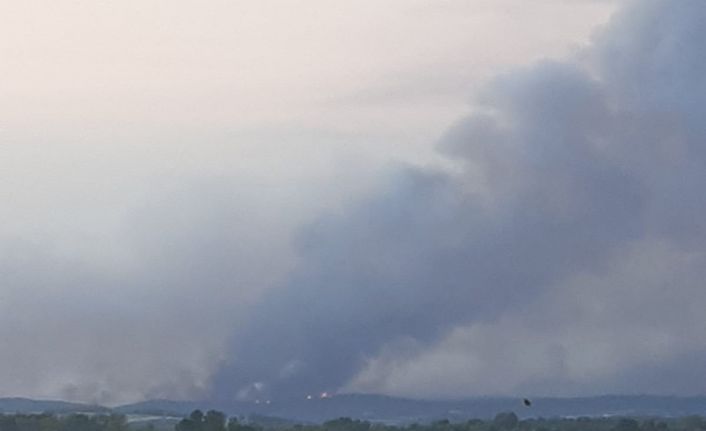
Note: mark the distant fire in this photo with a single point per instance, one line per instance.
(322, 396)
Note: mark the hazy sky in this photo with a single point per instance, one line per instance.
(426, 198)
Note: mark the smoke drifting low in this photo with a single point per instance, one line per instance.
(561, 252)
(580, 180)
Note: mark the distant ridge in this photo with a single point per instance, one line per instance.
(401, 410)
(382, 408)
(27, 405)
(162, 407)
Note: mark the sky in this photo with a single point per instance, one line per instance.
(424, 198)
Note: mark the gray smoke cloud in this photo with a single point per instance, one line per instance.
(575, 181)
(149, 324)
(560, 250)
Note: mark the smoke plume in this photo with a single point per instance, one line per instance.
(575, 180)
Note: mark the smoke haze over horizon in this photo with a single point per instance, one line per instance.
(275, 206)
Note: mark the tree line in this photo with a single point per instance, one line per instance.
(53, 422)
(214, 420)
(505, 421)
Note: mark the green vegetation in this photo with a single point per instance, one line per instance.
(505, 421)
(72, 422)
(217, 421)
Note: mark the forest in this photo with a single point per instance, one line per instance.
(214, 420)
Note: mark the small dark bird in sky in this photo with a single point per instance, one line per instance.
(527, 402)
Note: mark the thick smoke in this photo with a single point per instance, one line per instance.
(562, 251)
(576, 180)
(149, 323)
